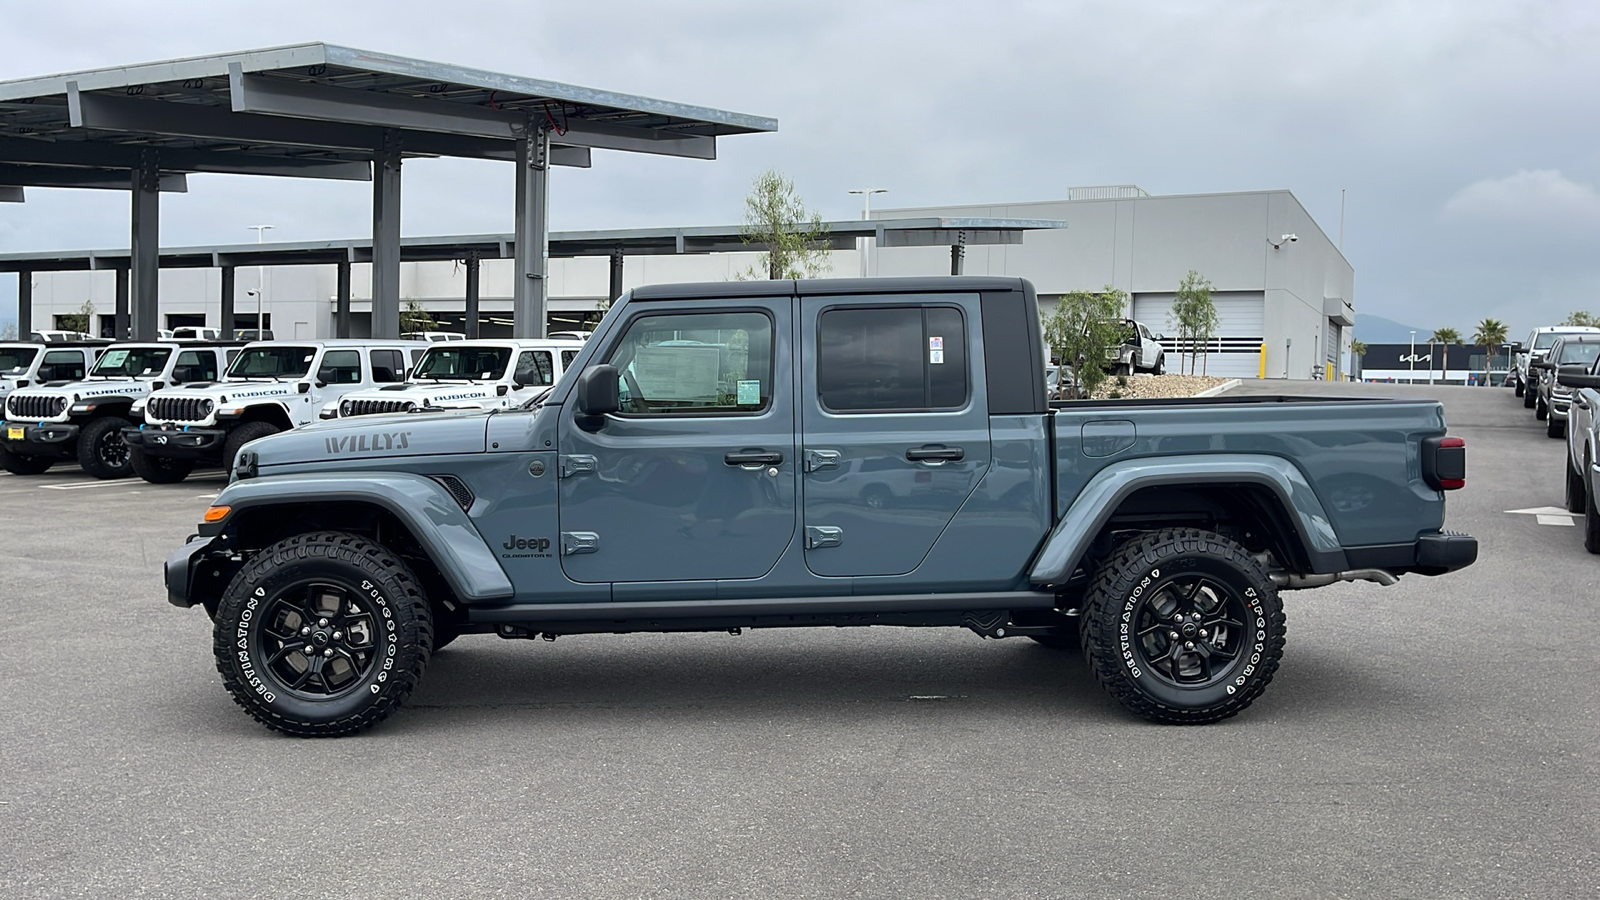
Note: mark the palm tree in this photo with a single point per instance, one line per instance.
(1445, 336)
(1491, 333)
(1358, 348)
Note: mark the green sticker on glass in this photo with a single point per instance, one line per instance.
(750, 393)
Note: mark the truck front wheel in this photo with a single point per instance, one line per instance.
(19, 464)
(159, 469)
(101, 450)
(322, 635)
(1183, 626)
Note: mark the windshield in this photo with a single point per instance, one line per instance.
(1576, 354)
(1545, 340)
(272, 362)
(17, 359)
(463, 362)
(131, 362)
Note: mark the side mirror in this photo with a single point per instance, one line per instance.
(305, 387)
(1577, 377)
(597, 395)
(1157, 337)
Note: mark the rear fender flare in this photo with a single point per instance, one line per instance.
(1105, 492)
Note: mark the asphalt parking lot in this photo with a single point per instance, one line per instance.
(1433, 739)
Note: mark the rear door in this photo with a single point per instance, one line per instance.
(895, 430)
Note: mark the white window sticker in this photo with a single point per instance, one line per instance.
(936, 343)
(936, 357)
(749, 393)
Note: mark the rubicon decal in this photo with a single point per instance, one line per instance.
(376, 441)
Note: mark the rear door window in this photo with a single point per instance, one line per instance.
(388, 366)
(904, 358)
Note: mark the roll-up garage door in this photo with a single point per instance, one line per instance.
(1234, 351)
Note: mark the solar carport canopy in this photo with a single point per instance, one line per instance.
(323, 111)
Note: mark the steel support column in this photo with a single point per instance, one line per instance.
(473, 288)
(616, 275)
(529, 291)
(225, 320)
(958, 254)
(120, 326)
(341, 303)
(386, 239)
(24, 304)
(145, 256)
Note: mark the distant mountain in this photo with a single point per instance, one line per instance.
(1378, 330)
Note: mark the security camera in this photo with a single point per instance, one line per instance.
(1291, 238)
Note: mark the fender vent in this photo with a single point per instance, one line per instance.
(457, 488)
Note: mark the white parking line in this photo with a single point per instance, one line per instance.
(80, 485)
(1554, 520)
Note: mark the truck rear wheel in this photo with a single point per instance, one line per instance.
(159, 469)
(101, 450)
(322, 635)
(1529, 395)
(1183, 626)
(21, 464)
(1575, 489)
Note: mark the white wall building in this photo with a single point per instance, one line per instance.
(1295, 299)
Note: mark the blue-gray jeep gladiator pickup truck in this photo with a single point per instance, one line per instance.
(783, 454)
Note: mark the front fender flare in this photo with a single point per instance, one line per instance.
(427, 509)
(1099, 499)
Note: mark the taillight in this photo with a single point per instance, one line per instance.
(1444, 463)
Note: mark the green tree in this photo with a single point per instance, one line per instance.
(1445, 336)
(1084, 327)
(1490, 333)
(776, 218)
(1358, 348)
(1580, 317)
(415, 317)
(8, 331)
(1194, 317)
(78, 320)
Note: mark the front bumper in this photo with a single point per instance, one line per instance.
(1559, 406)
(176, 443)
(40, 439)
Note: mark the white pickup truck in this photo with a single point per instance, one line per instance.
(476, 374)
(272, 386)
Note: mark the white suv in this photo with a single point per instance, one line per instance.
(272, 386)
(480, 374)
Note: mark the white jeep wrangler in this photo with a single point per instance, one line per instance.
(477, 374)
(272, 386)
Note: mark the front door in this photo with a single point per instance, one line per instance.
(694, 478)
(895, 427)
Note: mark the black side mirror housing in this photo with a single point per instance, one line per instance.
(1577, 377)
(597, 395)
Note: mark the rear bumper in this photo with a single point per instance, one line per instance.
(43, 439)
(1430, 554)
(177, 443)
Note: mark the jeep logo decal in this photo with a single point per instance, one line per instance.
(536, 547)
(367, 443)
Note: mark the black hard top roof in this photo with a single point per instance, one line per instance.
(926, 284)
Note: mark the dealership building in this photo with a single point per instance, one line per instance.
(1282, 288)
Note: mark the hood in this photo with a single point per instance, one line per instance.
(436, 393)
(375, 437)
(232, 391)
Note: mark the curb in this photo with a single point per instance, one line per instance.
(1226, 385)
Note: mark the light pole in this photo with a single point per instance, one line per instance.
(1411, 360)
(261, 279)
(866, 213)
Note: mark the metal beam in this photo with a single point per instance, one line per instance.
(529, 289)
(386, 239)
(958, 255)
(55, 176)
(104, 112)
(24, 304)
(341, 302)
(259, 94)
(473, 266)
(229, 287)
(616, 275)
(119, 323)
(81, 154)
(145, 249)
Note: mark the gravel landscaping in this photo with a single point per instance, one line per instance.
(1155, 386)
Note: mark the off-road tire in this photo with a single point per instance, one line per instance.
(1529, 397)
(1575, 489)
(159, 469)
(101, 450)
(1540, 410)
(1518, 388)
(242, 435)
(22, 464)
(1153, 577)
(1555, 427)
(298, 593)
(1591, 520)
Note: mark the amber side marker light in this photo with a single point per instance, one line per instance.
(217, 513)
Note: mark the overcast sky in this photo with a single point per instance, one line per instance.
(1465, 133)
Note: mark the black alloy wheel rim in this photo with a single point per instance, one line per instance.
(319, 640)
(113, 450)
(1191, 631)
